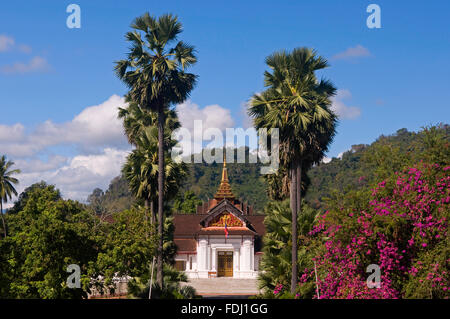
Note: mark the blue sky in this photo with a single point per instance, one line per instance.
(388, 78)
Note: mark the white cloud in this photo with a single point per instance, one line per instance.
(96, 136)
(326, 160)
(341, 154)
(11, 133)
(247, 121)
(212, 116)
(84, 173)
(77, 177)
(105, 164)
(6, 43)
(352, 53)
(36, 165)
(95, 128)
(342, 110)
(36, 64)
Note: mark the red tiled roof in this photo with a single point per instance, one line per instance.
(257, 221)
(186, 245)
(187, 225)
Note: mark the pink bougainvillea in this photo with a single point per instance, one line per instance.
(278, 289)
(405, 219)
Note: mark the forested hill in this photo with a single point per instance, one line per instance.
(358, 167)
(246, 181)
(363, 165)
(202, 179)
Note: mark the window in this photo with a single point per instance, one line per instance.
(180, 265)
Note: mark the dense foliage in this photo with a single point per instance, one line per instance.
(395, 216)
(48, 233)
(276, 260)
(187, 203)
(7, 190)
(402, 226)
(115, 199)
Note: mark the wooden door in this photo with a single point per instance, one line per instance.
(225, 264)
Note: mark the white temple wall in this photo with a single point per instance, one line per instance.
(190, 261)
(205, 262)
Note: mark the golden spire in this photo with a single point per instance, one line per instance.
(224, 190)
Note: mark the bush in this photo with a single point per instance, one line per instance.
(403, 228)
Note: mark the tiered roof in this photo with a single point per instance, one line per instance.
(224, 191)
(189, 226)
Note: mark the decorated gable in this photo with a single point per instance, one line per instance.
(228, 218)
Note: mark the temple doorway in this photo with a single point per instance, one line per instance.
(225, 264)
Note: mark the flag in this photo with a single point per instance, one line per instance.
(226, 230)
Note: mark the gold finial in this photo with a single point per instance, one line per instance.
(224, 190)
(224, 171)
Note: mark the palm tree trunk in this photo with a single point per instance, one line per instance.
(153, 212)
(159, 272)
(299, 186)
(295, 231)
(293, 200)
(3, 219)
(292, 189)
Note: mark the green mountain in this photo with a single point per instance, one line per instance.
(363, 164)
(357, 168)
(203, 180)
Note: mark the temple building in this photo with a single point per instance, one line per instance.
(223, 239)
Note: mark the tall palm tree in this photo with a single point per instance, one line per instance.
(139, 125)
(298, 104)
(155, 73)
(6, 186)
(142, 171)
(136, 120)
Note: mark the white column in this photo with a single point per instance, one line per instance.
(252, 255)
(236, 260)
(202, 255)
(208, 257)
(188, 262)
(246, 256)
(213, 259)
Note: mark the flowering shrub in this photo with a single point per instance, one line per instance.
(402, 227)
(278, 289)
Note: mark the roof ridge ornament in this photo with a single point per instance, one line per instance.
(224, 191)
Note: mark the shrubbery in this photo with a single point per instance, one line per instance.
(401, 225)
(399, 221)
